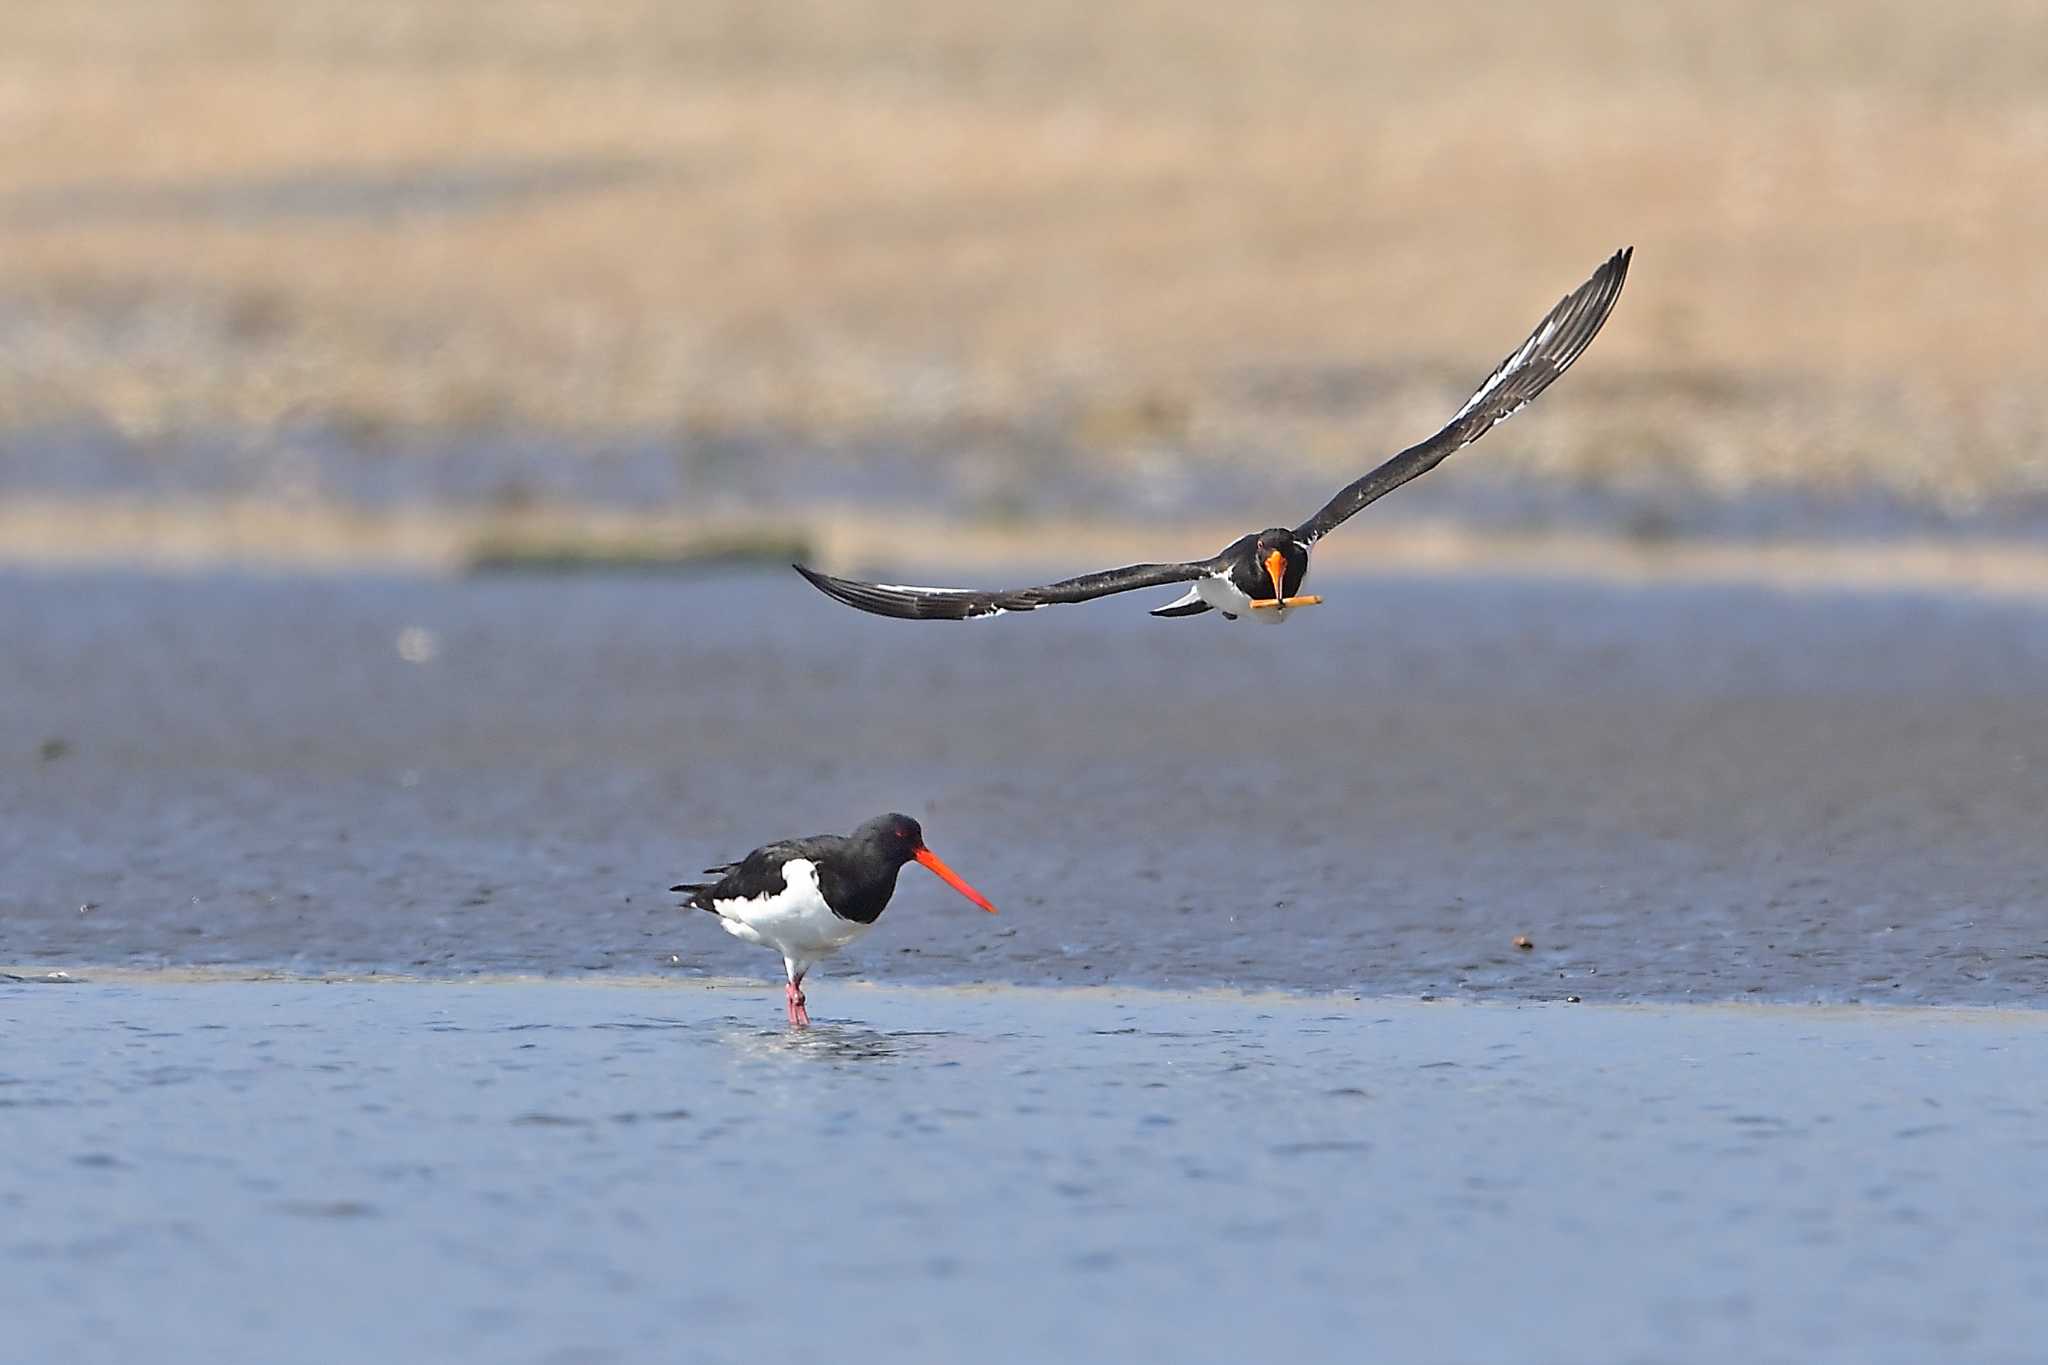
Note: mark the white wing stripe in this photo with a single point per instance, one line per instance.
(1513, 363)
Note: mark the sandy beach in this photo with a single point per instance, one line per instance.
(1138, 244)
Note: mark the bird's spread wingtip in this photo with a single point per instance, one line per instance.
(821, 581)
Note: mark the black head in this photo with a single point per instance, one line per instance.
(896, 837)
(1276, 565)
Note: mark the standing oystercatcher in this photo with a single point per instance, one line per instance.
(1260, 574)
(808, 898)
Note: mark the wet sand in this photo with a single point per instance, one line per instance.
(558, 1173)
(1677, 793)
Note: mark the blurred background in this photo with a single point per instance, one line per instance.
(1718, 676)
(370, 282)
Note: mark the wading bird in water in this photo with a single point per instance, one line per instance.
(1260, 575)
(808, 898)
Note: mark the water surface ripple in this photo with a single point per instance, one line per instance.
(558, 1172)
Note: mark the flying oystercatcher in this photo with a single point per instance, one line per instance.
(808, 898)
(1261, 574)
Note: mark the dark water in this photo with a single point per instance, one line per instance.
(561, 1173)
(1675, 793)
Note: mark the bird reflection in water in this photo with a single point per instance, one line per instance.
(825, 1041)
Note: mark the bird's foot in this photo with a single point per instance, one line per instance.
(799, 1017)
(1272, 603)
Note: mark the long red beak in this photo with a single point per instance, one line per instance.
(952, 878)
(1276, 569)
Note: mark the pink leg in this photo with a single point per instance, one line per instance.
(793, 996)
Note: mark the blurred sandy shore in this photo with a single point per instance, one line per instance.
(243, 533)
(1055, 237)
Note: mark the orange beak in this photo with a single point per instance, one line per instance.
(1276, 569)
(951, 878)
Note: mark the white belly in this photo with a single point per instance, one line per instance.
(795, 921)
(1223, 595)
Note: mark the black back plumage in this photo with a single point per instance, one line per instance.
(856, 872)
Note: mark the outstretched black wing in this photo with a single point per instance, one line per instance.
(961, 604)
(1557, 341)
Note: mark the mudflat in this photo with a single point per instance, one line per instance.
(1673, 792)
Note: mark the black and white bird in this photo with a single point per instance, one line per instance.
(1260, 575)
(808, 898)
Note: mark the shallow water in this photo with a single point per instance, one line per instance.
(1676, 793)
(558, 1172)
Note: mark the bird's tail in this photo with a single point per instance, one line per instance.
(697, 895)
(1189, 603)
